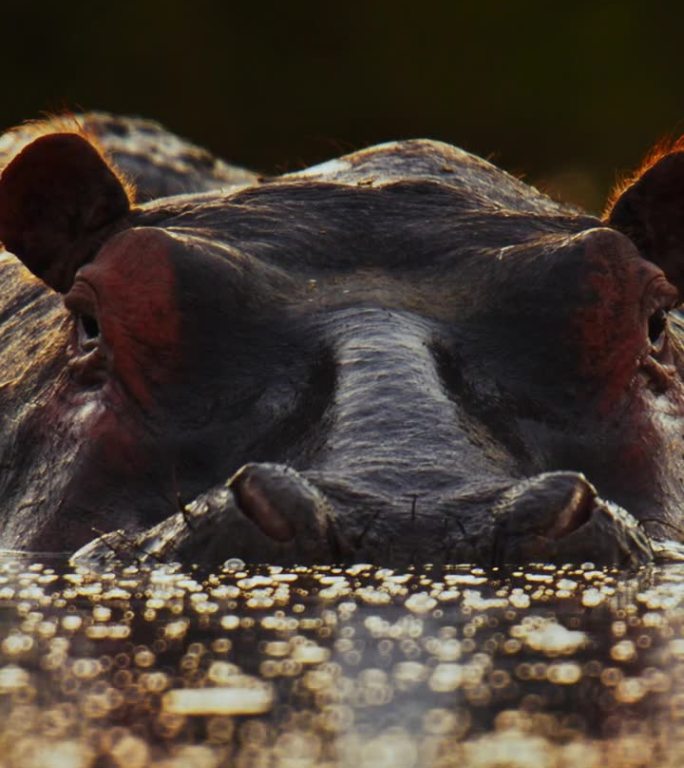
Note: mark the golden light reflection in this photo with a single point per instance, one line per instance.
(550, 667)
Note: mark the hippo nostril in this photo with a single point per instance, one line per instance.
(575, 512)
(256, 503)
(287, 508)
(559, 517)
(551, 506)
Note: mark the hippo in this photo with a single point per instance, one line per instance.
(404, 355)
(156, 162)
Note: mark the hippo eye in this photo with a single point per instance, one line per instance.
(88, 327)
(659, 298)
(81, 302)
(88, 364)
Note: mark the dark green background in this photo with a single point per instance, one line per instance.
(568, 94)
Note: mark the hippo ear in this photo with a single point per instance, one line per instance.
(650, 211)
(57, 197)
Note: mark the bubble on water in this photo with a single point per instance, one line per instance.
(234, 564)
(144, 657)
(310, 654)
(630, 690)
(230, 622)
(564, 673)
(420, 602)
(592, 598)
(102, 613)
(125, 750)
(446, 677)
(44, 753)
(512, 749)
(297, 748)
(623, 651)
(394, 748)
(222, 672)
(371, 596)
(16, 644)
(86, 669)
(72, 623)
(409, 674)
(13, 678)
(194, 756)
(249, 698)
(175, 630)
(548, 636)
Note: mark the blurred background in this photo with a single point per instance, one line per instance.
(568, 95)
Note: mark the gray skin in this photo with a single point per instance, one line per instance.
(402, 356)
(156, 162)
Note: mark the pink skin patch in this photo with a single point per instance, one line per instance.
(133, 287)
(611, 336)
(129, 292)
(610, 331)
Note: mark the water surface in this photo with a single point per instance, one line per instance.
(543, 667)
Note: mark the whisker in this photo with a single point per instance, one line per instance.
(129, 546)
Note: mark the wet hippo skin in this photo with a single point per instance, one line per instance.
(403, 355)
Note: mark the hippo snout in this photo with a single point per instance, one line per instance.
(271, 513)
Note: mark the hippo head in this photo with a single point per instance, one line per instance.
(402, 355)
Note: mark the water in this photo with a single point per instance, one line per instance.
(362, 667)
